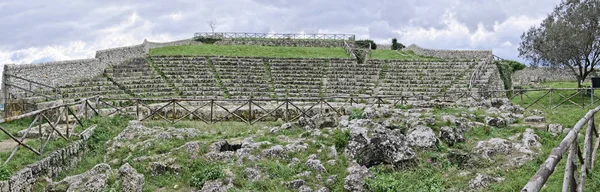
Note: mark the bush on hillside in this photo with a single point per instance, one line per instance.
(207, 40)
(365, 44)
(396, 45)
(515, 65)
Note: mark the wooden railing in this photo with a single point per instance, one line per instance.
(31, 89)
(231, 35)
(62, 113)
(572, 179)
(254, 110)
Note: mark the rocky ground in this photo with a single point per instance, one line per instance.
(324, 152)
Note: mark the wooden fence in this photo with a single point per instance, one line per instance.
(243, 35)
(254, 110)
(573, 180)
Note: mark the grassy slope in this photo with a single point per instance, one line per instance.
(254, 51)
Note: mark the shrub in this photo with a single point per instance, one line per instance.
(341, 138)
(515, 65)
(396, 45)
(4, 172)
(365, 44)
(356, 114)
(207, 40)
(205, 171)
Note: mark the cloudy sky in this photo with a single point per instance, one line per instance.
(45, 30)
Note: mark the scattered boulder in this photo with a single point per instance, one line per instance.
(385, 148)
(490, 148)
(530, 139)
(253, 174)
(275, 151)
(495, 122)
(534, 119)
(323, 120)
(316, 165)
(161, 167)
(356, 177)
(421, 136)
(216, 186)
(482, 181)
(131, 179)
(555, 129)
(94, 179)
(451, 136)
(296, 184)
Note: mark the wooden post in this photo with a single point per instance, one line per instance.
(173, 110)
(570, 168)
(286, 110)
(212, 106)
(250, 110)
(550, 98)
(137, 109)
(587, 154)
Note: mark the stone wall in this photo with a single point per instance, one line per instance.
(531, 75)
(384, 46)
(449, 54)
(152, 45)
(51, 166)
(53, 73)
(283, 42)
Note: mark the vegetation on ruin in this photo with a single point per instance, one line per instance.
(397, 55)
(506, 68)
(251, 51)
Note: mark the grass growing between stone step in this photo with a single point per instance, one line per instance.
(400, 55)
(250, 51)
(217, 77)
(163, 76)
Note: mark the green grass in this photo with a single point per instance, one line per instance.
(250, 51)
(393, 55)
(24, 156)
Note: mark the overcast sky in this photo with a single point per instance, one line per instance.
(46, 30)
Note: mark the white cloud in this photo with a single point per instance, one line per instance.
(36, 31)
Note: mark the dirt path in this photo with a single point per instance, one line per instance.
(7, 145)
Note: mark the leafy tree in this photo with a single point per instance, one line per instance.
(396, 45)
(569, 37)
(365, 44)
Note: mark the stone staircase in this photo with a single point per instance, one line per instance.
(297, 78)
(99, 85)
(137, 77)
(346, 77)
(243, 77)
(191, 75)
(424, 79)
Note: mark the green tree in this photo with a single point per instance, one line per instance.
(569, 37)
(396, 45)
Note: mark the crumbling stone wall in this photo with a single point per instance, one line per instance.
(449, 54)
(51, 166)
(531, 75)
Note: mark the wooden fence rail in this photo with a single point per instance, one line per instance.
(575, 157)
(253, 110)
(275, 35)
